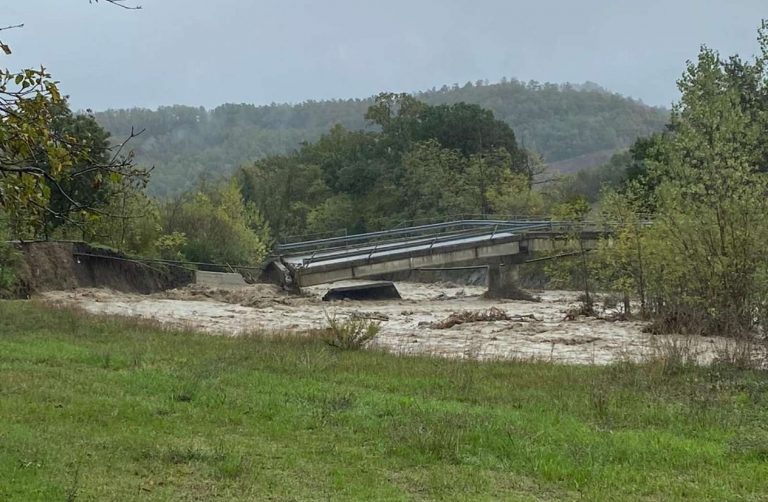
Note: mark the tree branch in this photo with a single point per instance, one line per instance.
(119, 3)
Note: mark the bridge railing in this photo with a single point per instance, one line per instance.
(437, 232)
(390, 246)
(409, 233)
(472, 217)
(303, 254)
(341, 233)
(327, 250)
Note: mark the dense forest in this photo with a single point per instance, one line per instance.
(559, 121)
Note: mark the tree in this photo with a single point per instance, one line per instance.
(44, 162)
(497, 184)
(433, 183)
(88, 187)
(642, 174)
(217, 225)
(560, 123)
(620, 260)
(701, 266)
(514, 196)
(334, 215)
(470, 129)
(424, 162)
(134, 226)
(352, 162)
(394, 112)
(712, 202)
(284, 191)
(576, 210)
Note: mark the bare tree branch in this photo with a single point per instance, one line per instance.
(11, 27)
(119, 3)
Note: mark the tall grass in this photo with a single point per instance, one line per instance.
(108, 409)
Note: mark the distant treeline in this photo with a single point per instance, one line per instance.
(558, 121)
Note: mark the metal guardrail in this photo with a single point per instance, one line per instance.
(413, 224)
(401, 234)
(390, 246)
(399, 238)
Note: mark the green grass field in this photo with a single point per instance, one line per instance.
(104, 409)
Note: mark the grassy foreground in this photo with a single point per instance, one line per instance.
(102, 409)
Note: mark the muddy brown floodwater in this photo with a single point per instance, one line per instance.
(405, 329)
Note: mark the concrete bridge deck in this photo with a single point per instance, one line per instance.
(499, 244)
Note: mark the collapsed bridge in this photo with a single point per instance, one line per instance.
(502, 245)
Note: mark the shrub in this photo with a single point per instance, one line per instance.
(350, 334)
(214, 224)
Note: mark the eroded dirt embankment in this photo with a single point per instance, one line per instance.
(48, 266)
(408, 326)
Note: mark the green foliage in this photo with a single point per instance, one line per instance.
(285, 192)
(577, 270)
(467, 128)
(641, 177)
(333, 215)
(131, 224)
(558, 121)
(434, 183)
(29, 98)
(72, 185)
(701, 266)
(711, 201)
(512, 195)
(589, 182)
(88, 186)
(574, 209)
(494, 170)
(427, 162)
(216, 225)
(171, 246)
(620, 260)
(350, 334)
(55, 167)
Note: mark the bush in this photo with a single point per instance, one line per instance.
(351, 333)
(213, 224)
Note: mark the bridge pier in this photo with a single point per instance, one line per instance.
(503, 278)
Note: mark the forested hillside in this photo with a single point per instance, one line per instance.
(558, 121)
(427, 161)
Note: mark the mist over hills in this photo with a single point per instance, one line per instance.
(565, 123)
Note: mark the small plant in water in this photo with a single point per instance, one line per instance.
(350, 334)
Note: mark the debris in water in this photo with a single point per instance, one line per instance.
(371, 291)
(370, 316)
(492, 314)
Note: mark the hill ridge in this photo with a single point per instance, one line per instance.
(560, 121)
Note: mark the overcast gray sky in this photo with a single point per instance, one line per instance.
(207, 53)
